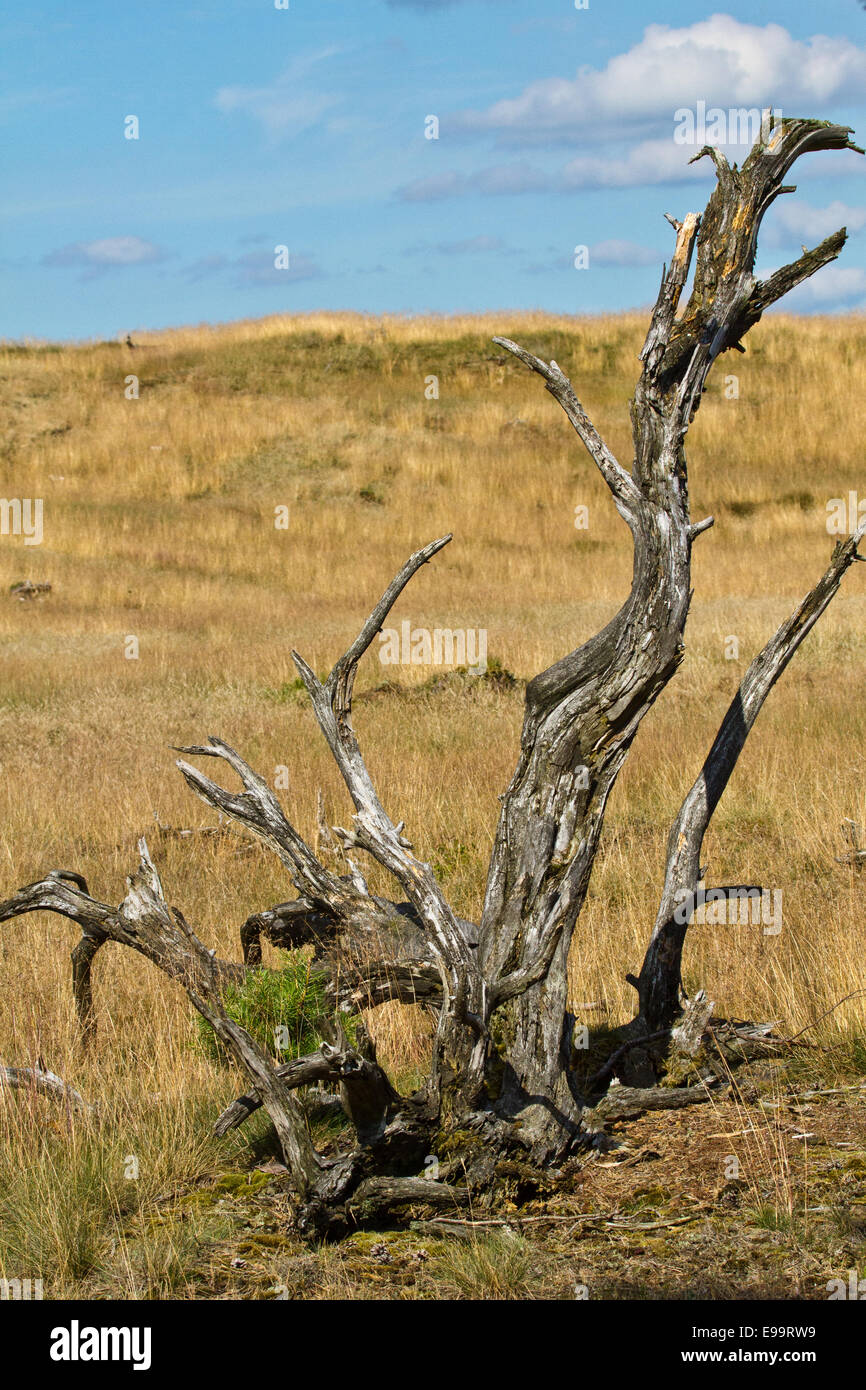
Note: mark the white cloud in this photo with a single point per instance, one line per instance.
(719, 60)
(109, 253)
(650, 162)
(791, 222)
(625, 115)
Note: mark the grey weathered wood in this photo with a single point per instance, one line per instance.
(66, 894)
(301, 1071)
(258, 809)
(688, 1034)
(659, 980)
(377, 1195)
(582, 714)
(627, 1102)
(459, 1052)
(168, 940)
(366, 1093)
(45, 1083)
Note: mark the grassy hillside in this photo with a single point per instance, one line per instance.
(159, 524)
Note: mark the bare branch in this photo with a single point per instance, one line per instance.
(54, 894)
(460, 1046)
(166, 936)
(144, 922)
(660, 975)
(726, 300)
(341, 681)
(82, 984)
(673, 281)
(258, 809)
(766, 292)
(45, 1083)
(374, 831)
(384, 981)
(366, 1092)
(288, 926)
(99, 923)
(624, 492)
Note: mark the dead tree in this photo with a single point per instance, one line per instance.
(501, 1079)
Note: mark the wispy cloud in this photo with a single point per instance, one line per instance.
(650, 162)
(257, 268)
(833, 287)
(13, 102)
(254, 269)
(108, 254)
(499, 179)
(791, 222)
(618, 253)
(204, 267)
(283, 107)
(623, 253)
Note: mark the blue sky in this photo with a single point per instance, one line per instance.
(305, 127)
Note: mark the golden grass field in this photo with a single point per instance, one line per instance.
(159, 524)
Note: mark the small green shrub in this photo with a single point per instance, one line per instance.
(278, 1008)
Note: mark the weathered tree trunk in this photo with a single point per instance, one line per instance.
(583, 714)
(501, 1069)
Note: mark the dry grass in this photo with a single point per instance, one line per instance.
(159, 523)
